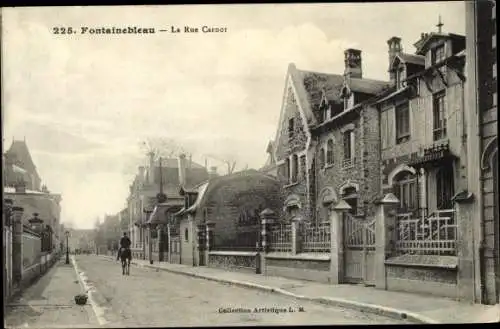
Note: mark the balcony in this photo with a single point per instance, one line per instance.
(348, 163)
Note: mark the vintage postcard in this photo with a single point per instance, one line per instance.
(250, 164)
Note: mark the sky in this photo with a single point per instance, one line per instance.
(84, 103)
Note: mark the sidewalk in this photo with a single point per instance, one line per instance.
(418, 308)
(49, 303)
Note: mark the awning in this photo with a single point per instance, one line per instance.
(432, 156)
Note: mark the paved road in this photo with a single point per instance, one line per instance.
(156, 298)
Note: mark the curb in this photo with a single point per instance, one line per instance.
(338, 302)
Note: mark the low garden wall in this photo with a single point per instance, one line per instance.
(304, 266)
(245, 261)
(434, 275)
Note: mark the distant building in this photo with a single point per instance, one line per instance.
(146, 186)
(19, 167)
(22, 184)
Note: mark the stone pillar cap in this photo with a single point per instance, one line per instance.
(342, 206)
(389, 198)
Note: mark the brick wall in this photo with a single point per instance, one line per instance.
(365, 173)
(285, 146)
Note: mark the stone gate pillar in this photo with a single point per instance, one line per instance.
(200, 244)
(296, 235)
(169, 239)
(17, 245)
(267, 217)
(384, 236)
(209, 226)
(337, 241)
(159, 234)
(465, 245)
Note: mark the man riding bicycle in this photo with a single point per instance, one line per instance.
(124, 244)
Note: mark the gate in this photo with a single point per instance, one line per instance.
(359, 250)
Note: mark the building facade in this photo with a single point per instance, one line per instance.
(423, 137)
(152, 179)
(482, 131)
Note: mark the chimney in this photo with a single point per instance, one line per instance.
(213, 172)
(151, 174)
(141, 173)
(352, 60)
(182, 169)
(395, 49)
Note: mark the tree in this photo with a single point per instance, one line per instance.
(162, 147)
(227, 159)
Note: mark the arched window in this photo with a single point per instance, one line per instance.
(321, 158)
(405, 189)
(350, 195)
(295, 167)
(445, 188)
(329, 152)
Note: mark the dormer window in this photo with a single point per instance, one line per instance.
(438, 54)
(399, 77)
(348, 101)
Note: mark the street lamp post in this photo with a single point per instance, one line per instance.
(67, 246)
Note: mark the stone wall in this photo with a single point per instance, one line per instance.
(233, 261)
(303, 267)
(436, 281)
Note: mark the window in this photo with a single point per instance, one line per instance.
(444, 187)
(438, 54)
(405, 188)
(439, 115)
(384, 129)
(495, 98)
(295, 168)
(402, 123)
(321, 158)
(303, 169)
(186, 234)
(494, 41)
(350, 195)
(287, 169)
(494, 70)
(346, 102)
(348, 148)
(291, 127)
(329, 152)
(399, 77)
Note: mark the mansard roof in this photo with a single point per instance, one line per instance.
(367, 86)
(426, 38)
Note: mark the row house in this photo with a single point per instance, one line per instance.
(327, 140)
(160, 177)
(423, 137)
(482, 124)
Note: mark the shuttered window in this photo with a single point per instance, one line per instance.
(384, 133)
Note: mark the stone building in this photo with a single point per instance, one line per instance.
(19, 166)
(22, 184)
(326, 143)
(482, 148)
(148, 183)
(346, 138)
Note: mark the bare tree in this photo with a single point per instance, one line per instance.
(228, 160)
(162, 147)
